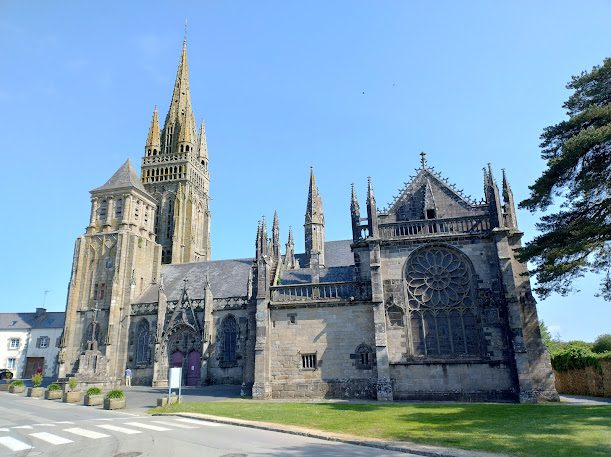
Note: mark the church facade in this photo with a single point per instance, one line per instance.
(426, 301)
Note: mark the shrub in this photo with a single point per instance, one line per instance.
(72, 383)
(37, 379)
(115, 394)
(54, 386)
(602, 344)
(94, 391)
(17, 383)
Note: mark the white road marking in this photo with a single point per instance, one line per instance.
(196, 421)
(29, 427)
(43, 425)
(114, 428)
(3, 429)
(13, 444)
(148, 426)
(173, 424)
(51, 438)
(86, 433)
(64, 422)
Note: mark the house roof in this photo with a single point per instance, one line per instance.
(24, 321)
(337, 254)
(125, 176)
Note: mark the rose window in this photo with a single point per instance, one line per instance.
(437, 277)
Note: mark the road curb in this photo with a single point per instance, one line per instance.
(405, 447)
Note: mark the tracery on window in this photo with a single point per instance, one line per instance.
(442, 319)
(229, 341)
(142, 343)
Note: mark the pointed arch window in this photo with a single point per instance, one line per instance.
(142, 343)
(229, 341)
(443, 318)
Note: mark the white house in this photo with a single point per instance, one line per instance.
(29, 342)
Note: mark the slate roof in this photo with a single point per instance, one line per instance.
(21, 321)
(337, 254)
(228, 278)
(339, 265)
(125, 176)
(304, 275)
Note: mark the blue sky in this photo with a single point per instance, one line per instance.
(353, 88)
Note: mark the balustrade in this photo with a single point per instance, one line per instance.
(334, 291)
(433, 227)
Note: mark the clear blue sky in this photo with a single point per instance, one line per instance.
(353, 88)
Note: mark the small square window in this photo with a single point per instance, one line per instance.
(11, 363)
(44, 342)
(308, 361)
(14, 343)
(292, 318)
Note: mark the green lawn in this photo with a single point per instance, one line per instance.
(546, 430)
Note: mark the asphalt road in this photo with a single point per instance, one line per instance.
(38, 427)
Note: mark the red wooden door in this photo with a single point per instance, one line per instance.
(193, 368)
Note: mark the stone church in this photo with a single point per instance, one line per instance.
(426, 301)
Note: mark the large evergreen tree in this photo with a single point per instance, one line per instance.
(576, 237)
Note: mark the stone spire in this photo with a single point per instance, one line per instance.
(153, 140)
(493, 199)
(509, 208)
(202, 145)
(355, 215)
(372, 211)
(289, 256)
(276, 237)
(314, 225)
(180, 122)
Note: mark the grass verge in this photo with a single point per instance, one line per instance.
(543, 430)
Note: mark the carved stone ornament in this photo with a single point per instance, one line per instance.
(438, 278)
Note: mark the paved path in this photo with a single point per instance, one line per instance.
(582, 400)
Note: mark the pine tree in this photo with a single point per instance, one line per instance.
(575, 239)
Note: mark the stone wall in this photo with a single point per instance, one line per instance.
(334, 335)
(491, 381)
(585, 381)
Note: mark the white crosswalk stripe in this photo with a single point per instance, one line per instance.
(115, 428)
(51, 438)
(173, 424)
(196, 421)
(148, 426)
(13, 444)
(86, 433)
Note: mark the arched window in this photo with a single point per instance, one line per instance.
(364, 357)
(442, 318)
(119, 208)
(103, 210)
(142, 343)
(229, 341)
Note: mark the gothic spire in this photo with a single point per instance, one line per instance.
(508, 204)
(314, 212)
(153, 140)
(372, 211)
(493, 199)
(179, 122)
(202, 144)
(314, 227)
(355, 215)
(276, 237)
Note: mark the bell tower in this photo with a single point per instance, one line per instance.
(175, 172)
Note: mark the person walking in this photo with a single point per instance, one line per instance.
(128, 377)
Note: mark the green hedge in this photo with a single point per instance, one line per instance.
(573, 358)
(115, 394)
(54, 386)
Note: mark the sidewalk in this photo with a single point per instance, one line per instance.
(399, 446)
